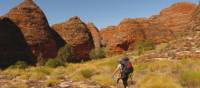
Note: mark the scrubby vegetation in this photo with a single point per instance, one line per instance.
(142, 46)
(97, 53)
(20, 65)
(65, 53)
(190, 78)
(54, 63)
(184, 73)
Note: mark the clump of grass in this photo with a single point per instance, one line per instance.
(38, 76)
(71, 68)
(53, 63)
(161, 46)
(13, 72)
(59, 72)
(77, 77)
(40, 73)
(51, 82)
(103, 79)
(97, 53)
(163, 65)
(25, 76)
(42, 69)
(87, 72)
(157, 81)
(190, 78)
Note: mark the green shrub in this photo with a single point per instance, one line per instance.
(53, 63)
(65, 53)
(20, 65)
(142, 46)
(97, 53)
(190, 79)
(87, 72)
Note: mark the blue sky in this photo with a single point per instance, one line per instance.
(101, 12)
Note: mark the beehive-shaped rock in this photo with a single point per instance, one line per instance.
(35, 28)
(77, 35)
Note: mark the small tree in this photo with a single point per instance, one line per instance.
(97, 53)
(65, 53)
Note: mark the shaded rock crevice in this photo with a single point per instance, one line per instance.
(13, 44)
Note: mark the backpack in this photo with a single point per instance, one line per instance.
(127, 67)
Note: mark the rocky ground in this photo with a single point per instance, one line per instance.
(6, 82)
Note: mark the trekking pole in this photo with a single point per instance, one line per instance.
(115, 81)
(131, 78)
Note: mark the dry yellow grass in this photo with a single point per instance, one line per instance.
(100, 72)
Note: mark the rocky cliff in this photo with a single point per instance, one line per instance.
(176, 17)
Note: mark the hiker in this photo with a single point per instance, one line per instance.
(125, 67)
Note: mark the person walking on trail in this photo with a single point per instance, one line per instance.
(125, 68)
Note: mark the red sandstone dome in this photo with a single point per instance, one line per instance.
(35, 28)
(77, 35)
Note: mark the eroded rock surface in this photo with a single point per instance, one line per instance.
(77, 35)
(34, 26)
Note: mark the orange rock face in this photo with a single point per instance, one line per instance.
(126, 33)
(34, 26)
(158, 33)
(77, 35)
(176, 17)
(131, 30)
(106, 34)
(13, 46)
(95, 35)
